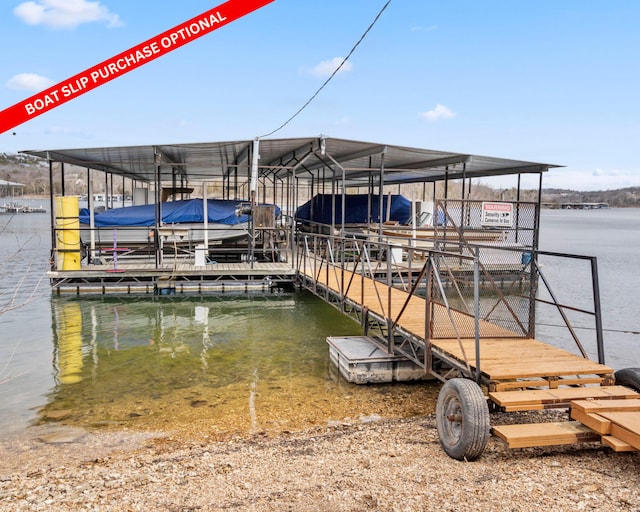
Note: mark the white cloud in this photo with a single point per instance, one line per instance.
(29, 82)
(68, 132)
(65, 13)
(437, 113)
(597, 179)
(420, 28)
(327, 67)
(602, 172)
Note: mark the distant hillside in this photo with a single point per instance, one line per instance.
(34, 173)
(28, 170)
(622, 197)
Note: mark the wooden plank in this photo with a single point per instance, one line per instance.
(551, 383)
(545, 434)
(520, 384)
(629, 419)
(594, 421)
(617, 445)
(631, 403)
(578, 381)
(631, 438)
(515, 400)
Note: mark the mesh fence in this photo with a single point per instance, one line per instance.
(503, 305)
(503, 236)
(486, 222)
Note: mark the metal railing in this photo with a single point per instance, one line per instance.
(474, 292)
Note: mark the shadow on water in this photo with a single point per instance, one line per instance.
(214, 365)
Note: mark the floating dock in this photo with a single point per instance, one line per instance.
(442, 303)
(362, 361)
(170, 278)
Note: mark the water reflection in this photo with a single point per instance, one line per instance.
(215, 364)
(69, 345)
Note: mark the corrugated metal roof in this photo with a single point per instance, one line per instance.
(322, 158)
(5, 183)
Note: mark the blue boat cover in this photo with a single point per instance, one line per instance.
(173, 212)
(318, 209)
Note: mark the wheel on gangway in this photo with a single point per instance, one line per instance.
(629, 377)
(462, 419)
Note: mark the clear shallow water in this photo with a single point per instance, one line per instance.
(613, 236)
(216, 363)
(247, 362)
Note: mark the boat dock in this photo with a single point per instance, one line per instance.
(169, 278)
(447, 288)
(518, 371)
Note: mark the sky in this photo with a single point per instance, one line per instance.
(544, 81)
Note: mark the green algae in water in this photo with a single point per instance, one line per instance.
(244, 362)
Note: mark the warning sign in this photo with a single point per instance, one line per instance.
(126, 61)
(498, 215)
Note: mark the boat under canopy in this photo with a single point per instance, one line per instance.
(173, 212)
(182, 220)
(359, 209)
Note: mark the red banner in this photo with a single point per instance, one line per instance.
(126, 61)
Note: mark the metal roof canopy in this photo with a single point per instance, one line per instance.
(312, 158)
(4, 183)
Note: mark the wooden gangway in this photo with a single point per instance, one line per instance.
(507, 359)
(519, 373)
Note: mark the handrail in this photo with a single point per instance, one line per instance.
(596, 313)
(441, 270)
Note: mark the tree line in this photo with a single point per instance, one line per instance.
(33, 172)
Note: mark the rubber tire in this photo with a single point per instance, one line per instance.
(465, 436)
(629, 377)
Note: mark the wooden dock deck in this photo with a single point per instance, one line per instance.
(505, 356)
(520, 373)
(146, 277)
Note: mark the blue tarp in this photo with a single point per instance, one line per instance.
(173, 212)
(356, 209)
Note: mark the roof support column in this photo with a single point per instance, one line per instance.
(92, 224)
(52, 212)
(381, 195)
(462, 205)
(157, 157)
(294, 194)
(62, 178)
(253, 188)
(518, 209)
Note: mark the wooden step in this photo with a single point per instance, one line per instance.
(595, 422)
(625, 425)
(545, 434)
(552, 383)
(600, 406)
(538, 399)
(617, 445)
(619, 419)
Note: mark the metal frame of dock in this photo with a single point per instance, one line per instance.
(460, 303)
(461, 345)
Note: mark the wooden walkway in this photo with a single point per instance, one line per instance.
(149, 268)
(510, 364)
(146, 277)
(505, 356)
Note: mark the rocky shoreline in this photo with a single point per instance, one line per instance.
(380, 464)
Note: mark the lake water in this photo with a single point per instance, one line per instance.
(247, 363)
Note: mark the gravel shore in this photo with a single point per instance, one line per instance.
(377, 464)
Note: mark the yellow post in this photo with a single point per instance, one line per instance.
(68, 233)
